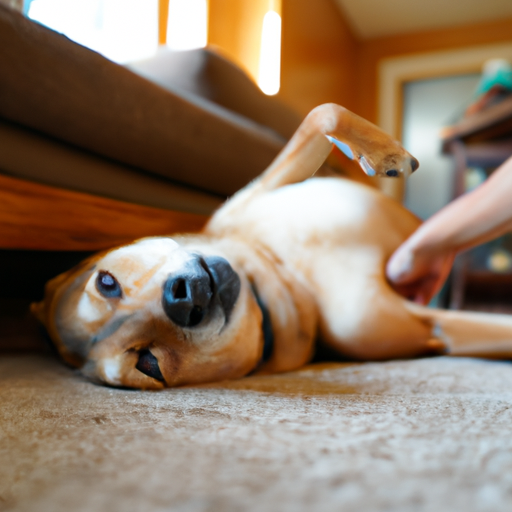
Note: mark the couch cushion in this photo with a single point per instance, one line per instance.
(33, 156)
(206, 73)
(64, 90)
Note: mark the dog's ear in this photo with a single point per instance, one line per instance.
(47, 311)
(38, 310)
(41, 309)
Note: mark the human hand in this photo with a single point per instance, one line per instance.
(418, 274)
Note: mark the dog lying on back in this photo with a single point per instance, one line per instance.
(286, 262)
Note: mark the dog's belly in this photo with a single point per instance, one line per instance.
(324, 214)
(336, 235)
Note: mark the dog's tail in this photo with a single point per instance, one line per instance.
(468, 333)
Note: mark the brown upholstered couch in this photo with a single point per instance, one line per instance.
(93, 154)
(198, 122)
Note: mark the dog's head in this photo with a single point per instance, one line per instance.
(154, 313)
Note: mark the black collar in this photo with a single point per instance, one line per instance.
(266, 325)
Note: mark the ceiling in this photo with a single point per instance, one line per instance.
(376, 18)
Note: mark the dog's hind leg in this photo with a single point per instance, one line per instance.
(468, 333)
(377, 153)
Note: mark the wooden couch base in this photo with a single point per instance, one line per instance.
(39, 217)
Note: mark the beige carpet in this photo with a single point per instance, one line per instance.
(423, 435)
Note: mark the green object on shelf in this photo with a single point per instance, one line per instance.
(496, 72)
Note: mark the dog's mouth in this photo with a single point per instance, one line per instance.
(147, 364)
(190, 297)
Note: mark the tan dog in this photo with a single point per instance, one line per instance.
(287, 261)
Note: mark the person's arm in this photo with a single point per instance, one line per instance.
(421, 264)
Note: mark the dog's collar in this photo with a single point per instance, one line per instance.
(266, 325)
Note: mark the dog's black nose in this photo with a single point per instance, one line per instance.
(227, 282)
(186, 297)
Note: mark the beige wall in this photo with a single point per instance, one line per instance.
(235, 27)
(318, 49)
(322, 60)
(371, 53)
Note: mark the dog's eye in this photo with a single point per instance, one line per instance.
(107, 285)
(148, 365)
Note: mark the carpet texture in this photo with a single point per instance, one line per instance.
(422, 435)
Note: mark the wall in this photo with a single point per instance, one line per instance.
(163, 12)
(318, 57)
(371, 52)
(235, 27)
(322, 59)
(319, 53)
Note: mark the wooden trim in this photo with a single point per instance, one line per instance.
(372, 52)
(34, 216)
(395, 72)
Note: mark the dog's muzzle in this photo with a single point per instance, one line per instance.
(203, 283)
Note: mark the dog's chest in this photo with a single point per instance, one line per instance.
(324, 214)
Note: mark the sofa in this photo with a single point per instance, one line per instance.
(95, 154)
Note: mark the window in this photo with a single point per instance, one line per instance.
(187, 25)
(121, 30)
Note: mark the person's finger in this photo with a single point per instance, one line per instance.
(420, 291)
(426, 285)
(400, 266)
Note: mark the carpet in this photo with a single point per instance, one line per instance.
(420, 435)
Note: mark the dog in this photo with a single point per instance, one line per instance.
(288, 260)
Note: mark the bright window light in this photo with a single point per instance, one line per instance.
(270, 54)
(121, 30)
(187, 25)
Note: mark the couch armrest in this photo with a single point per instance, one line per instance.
(55, 86)
(206, 73)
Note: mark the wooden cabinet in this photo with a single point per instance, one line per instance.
(482, 277)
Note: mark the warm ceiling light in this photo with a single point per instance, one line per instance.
(187, 25)
(270, 54)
